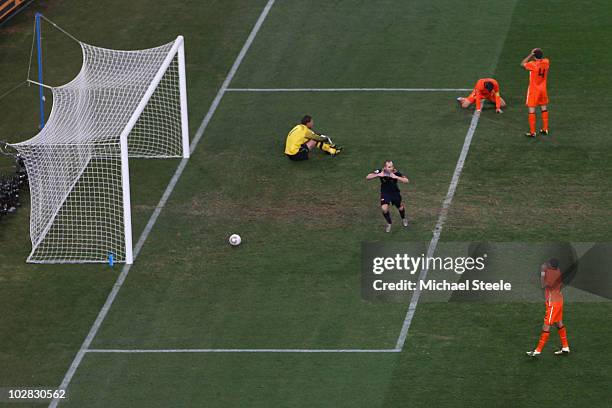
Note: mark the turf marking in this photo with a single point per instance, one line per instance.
(413, 301)
(438, 228)
(162, 202)
(347, 89)
(137, 351)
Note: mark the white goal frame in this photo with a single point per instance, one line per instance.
(178, 47)
(176, 55)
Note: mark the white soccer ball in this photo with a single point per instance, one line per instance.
(235, 240)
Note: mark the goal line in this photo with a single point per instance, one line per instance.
(348, 89)
(240, 350)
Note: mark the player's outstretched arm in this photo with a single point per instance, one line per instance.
(325, 137)
(316, 137)
(497, 99)
(498, 103)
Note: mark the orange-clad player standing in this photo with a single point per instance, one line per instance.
(551, 279)
(485, 88)
(537, 95)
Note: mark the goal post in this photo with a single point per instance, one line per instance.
(183, 96)
(127, 202)
(121, 105)
(177, 51)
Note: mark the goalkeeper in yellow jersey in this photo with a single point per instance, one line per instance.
(302, 139)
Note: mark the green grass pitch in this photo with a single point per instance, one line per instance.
(295, 281)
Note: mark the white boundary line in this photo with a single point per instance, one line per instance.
(438, 229)
(138, 351)
(162, 202)
(172, 184)
(413, 301)
(347, 89)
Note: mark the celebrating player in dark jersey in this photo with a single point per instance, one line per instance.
(389, 192)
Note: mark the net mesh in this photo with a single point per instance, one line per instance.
(74, 163)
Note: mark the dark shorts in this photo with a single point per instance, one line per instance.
(391, 198)
(301, 155)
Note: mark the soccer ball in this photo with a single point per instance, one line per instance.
(235, 240)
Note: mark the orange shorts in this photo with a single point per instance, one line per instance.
(554, 313)
(472, 97)
(536, 97)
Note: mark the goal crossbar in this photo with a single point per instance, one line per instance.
(79, 162)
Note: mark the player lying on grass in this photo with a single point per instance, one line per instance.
(302, 139)
(389, 192)
(485, 88)
(537, 95)
(551, 280)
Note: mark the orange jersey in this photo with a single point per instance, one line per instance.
(484, 93)
(553, 282)
(481, 92)
(538, 73)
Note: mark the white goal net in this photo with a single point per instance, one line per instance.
(122, 104)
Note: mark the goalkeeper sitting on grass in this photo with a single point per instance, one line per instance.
(302, 139)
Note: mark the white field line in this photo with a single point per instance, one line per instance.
(162, 202)
(413, 302)
(242, 350)
(347, 89)
(438, 229)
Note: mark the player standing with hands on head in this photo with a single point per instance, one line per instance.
(537, 95)
(551, 279)
(389, 192)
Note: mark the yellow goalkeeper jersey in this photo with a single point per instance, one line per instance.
(299, 135)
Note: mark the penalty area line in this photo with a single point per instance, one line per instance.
(162, 202)
(144, 351)
(347, 89)
(433, 244)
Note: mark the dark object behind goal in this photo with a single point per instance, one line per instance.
(11, 186)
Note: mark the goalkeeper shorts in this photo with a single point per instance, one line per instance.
(302, 154)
